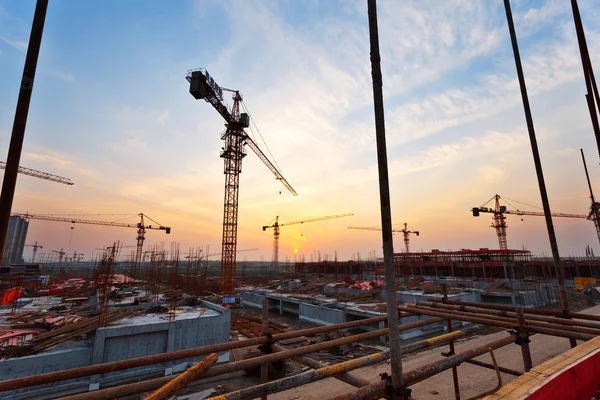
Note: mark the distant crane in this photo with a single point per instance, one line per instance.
(39, 174)
(594, 214)
(499, 218)
(141, 227)
(35, 246)
(405, 232)
(276, 225)
(203, 86)
(60, 253)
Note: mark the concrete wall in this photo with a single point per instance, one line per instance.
(114, 343)
(319, 314)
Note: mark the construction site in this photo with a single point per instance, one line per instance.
(154, 320)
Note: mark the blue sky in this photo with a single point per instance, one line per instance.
(111, 110)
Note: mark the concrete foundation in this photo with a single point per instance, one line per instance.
(132, 337)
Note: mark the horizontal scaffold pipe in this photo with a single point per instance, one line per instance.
(377, 390)
(141, 387)
(525, 310)
(512, 314)
(337, 369)
(51, 377)
(530, 323)
(491, 321)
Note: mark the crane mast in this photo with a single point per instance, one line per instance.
(203, 86)
(276, 225)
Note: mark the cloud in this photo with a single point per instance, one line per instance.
(56, 160)
(17, 44)
(61, 75)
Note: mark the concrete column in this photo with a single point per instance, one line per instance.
(281, 306)
(483, 267)
(505, 271)
(97, 357)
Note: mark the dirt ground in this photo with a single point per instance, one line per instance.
(473, 380)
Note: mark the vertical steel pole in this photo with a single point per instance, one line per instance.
(523, 340)
(398, 389)
(264, 369)
(538, 166)
(451, 344)
(594, 212)
(588, 73)
(20, 122)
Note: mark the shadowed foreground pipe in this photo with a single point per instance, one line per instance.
(537, 311)
(486, 320)
(51, 377)
(193, 373)
(546, 325)
(377, 390)
(141, 387)
(336, 370)
(314, 364)
(512, 314)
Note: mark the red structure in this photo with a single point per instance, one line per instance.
(489, 263)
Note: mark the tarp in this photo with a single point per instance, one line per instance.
(10, 295)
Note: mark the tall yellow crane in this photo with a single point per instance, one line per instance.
(141, 227)
(276, 225)
(405, 232)
(499, 217)
(203, 86)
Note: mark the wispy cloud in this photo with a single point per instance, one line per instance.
(62, 75)
(17, 44)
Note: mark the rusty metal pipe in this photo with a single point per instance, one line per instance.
(191, 374)
(315, 364)
(140, 387)
(502, 313)
(73, 373)
(537, 311)
(333, 370)
(377, 390)
(491, 366)
(577, 329)
(455, 381)
(510, 325)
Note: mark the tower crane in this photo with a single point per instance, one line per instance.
(276, 225)
(405, 233)
(499, 217)
(35, 246)
(203, 86)
(594, 214)
(39, 174)
(141, 227)
(60, 253)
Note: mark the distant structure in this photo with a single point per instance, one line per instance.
(15, 240)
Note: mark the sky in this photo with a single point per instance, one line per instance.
(111, 111)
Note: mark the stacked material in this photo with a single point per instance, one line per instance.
(33, 331)
(252, 326)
